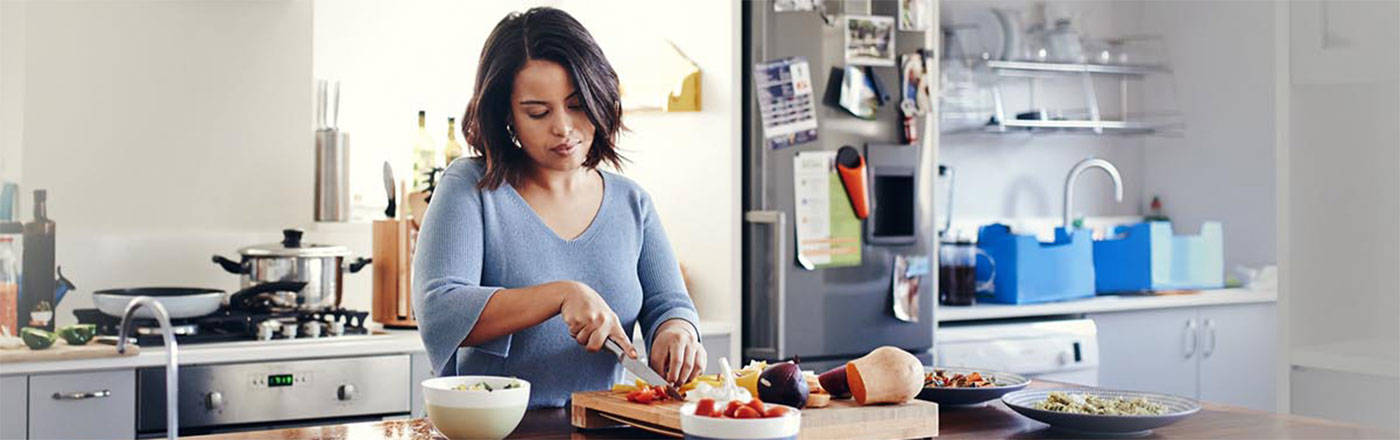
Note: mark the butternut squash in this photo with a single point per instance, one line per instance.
(885, 375)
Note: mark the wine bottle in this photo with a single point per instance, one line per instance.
(453, 149)
(424, 154)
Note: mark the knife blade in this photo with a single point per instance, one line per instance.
(642, 371)
(389, 190)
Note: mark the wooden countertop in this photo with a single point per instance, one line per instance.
(993, 420)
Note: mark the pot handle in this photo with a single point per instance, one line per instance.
(358, 264)
(230, 265)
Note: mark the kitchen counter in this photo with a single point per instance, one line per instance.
(993, 420)
(387, 342)
(1100, 304)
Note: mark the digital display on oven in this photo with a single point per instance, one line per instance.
(279, 380)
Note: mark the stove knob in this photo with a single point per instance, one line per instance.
(346, 392)
(214, 400)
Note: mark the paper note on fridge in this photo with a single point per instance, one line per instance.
(786, 102)
(828, 232)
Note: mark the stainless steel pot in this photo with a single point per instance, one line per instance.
(321, 267)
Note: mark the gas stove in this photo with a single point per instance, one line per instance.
(229, 325)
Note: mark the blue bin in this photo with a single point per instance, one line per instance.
(1147, 256)
(1028, 271)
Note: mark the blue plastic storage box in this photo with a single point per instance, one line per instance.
(1147, 256)
(1028, 271)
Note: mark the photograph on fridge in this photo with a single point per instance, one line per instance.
(914, 15)
(869, 40)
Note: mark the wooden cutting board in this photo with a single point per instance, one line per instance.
(843, 419)
(61, 351)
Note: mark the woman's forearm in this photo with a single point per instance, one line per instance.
(512, 310)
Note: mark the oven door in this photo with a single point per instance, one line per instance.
(264, 395)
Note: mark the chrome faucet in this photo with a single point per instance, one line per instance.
(1080, 168)
(172, 362)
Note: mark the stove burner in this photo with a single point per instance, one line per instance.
(226, 325)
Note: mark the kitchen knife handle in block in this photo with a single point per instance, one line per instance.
(851, 167)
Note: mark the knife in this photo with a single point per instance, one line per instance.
(637, 368)
(389, 190)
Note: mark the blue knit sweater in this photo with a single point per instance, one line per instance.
(475, 242)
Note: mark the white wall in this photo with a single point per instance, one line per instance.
(1222, 166)
(395, 58)
(163, 131)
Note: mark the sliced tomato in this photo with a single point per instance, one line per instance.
(747, 412)
(756, 404)
(705, 407)
(775, 411)
(734, 406)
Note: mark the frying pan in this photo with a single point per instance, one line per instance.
(183, 302)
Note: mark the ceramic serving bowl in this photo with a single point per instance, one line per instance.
(475, 414)
(1006, 383)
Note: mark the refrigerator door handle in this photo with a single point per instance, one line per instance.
(778, 281)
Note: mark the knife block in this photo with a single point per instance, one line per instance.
(393, 273)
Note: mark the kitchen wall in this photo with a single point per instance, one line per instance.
(1220, 89)
(396, 58)
(163, 131)
(1015, 176)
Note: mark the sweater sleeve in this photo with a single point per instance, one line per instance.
(447, 293)
(663, 290)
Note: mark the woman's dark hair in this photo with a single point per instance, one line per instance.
(541, 33)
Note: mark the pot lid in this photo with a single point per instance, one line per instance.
(292, 246)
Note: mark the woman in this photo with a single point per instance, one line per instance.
(530, 257)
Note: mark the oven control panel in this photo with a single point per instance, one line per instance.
(268, 392)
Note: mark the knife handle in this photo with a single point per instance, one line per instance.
(612, 346)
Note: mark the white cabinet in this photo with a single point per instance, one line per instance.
(99, 405)
(1150, 350)
(1238, 346)
(1222, 354)
(14, 407)
(422, 370)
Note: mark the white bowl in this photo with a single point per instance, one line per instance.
(475, 414)
(712, 428)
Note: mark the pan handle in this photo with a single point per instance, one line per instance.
(230, 265)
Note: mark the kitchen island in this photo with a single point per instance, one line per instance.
(993, 420)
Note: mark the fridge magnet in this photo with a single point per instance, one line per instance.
(869, 40)
(914, 15)
(828, 232)
(786, 102)
(908, 273)
(916, 90)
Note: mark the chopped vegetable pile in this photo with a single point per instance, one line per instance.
(1091, 404)
(648, 394)
(754, 409)
(941, 379)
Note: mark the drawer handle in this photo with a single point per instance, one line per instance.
(81, 395)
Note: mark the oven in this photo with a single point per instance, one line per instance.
(223, 398)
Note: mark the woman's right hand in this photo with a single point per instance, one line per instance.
(591, 321)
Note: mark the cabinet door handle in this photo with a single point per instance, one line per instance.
(1210, 333)
(82, 395)
(1188, 338)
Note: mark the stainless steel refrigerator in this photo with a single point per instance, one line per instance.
(827, 316)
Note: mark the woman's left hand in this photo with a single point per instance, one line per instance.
(676, 352)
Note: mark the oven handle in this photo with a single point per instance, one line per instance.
(82, 395)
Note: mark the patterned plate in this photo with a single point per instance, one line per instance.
(1093, 424)
(1006, 382)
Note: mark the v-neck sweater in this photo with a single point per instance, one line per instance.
(475, 242)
